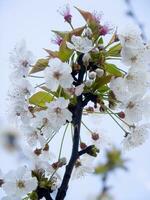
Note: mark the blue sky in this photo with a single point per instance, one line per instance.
(33, 20)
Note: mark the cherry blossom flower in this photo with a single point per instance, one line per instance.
(136, 137)
(137, 108)
(100, 140)
(34, 137)
(137, 80)
(13, 197)
(19, 182)
(135, 57)
(130, 36)
(83, 166)
(120, 89)
(21, 59)
(58, 73)
(58, 113)
(80, 44)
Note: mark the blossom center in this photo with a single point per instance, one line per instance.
(131, 105)
(58, 110)
(24, 63)
(57, 75)
(20, 184)
(134, 59)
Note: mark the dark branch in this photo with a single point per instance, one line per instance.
(86, 150)
(42, 192)
(74, 155)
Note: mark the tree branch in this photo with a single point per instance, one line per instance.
(86, 150)
(74, 155)
(42, 192)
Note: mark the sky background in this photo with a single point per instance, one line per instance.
(32, 20)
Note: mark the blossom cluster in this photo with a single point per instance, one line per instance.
(79, 78)
(132, 90)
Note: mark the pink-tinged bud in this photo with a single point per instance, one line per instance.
(104, 30)
(57, 40)
(83, 145)
(95, 136)
(66, 14)
(121, 115)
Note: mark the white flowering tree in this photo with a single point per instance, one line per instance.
(80, 78)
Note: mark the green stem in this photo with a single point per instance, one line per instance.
(86, 127)
(62, 141)
(116, 121)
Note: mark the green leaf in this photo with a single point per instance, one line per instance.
(112, 69)
(99, 82)
(40, 98)
(115, 51)
(103, 89)
(76, 31)
(40, 65)
(64, 52)
(100, 41)
(52, 54)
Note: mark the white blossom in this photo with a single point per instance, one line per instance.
(120, 89)
(135, 57)
(100, 140)
(58, 73)
(19, 182)
(58, 113)
(80, 44)
(130, 36)
(13, 197)
(83, 167)
(137, 80)
(136, 136)
(34, 137)
(137, 108)
(21, 59)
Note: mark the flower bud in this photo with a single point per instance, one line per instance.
(88, 83)
(99, 72)
(83, 145)
(87, 32)
(95, 136)
(92, 75)
(89, 109)
(86, 59)
(121, 114)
